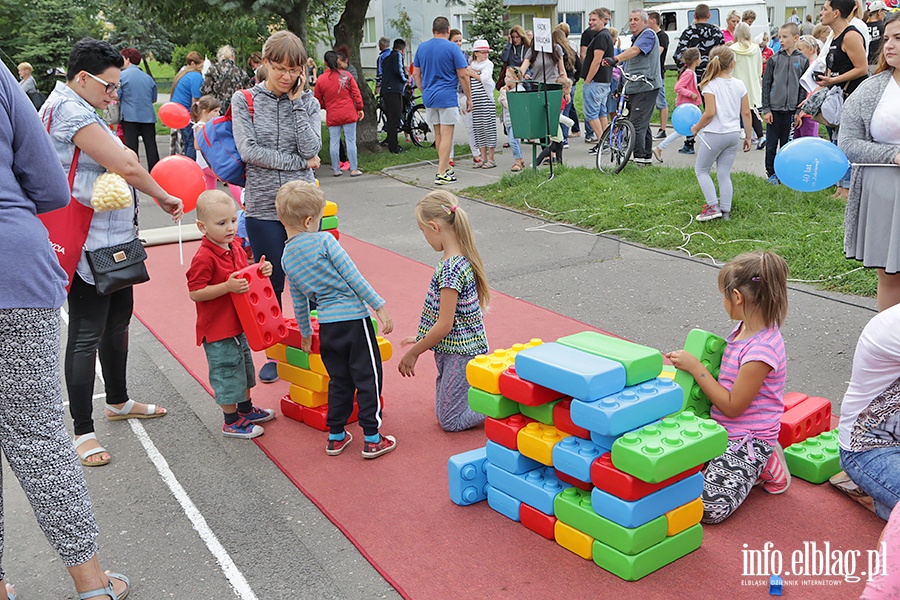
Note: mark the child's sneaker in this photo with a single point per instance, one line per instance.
(242, 428)
(775, 477)
(709, 213)
(376, 449)
(335, 447)
(258, 415)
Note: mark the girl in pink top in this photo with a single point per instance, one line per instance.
(686, 92)
(747, 400)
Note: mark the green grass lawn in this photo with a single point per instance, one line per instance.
(655, 207)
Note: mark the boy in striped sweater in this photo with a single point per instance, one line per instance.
(318, 269)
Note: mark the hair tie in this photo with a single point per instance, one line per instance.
(756, 278)
(450, 210)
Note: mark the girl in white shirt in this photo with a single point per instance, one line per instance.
(719, 131)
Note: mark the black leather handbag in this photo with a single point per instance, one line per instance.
(118, 267)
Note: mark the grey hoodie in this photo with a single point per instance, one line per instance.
(274, 144)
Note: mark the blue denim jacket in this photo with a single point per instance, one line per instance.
(137, 95)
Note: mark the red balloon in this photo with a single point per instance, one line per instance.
(174, 115)
(182, 177)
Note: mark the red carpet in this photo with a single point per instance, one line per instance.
(397, 511)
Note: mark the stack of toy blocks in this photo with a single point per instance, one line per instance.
(329, 220)
(307, 401)
(810, 449)
(571, 455)
(708, 348)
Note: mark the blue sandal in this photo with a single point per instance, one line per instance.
(108, 590)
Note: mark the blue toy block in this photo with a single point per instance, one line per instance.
(535, 488)
(573, 456)
(503, 503)
(467, 476)
(636, 513)
(629, 409)
(510, 460)
(571, 372)
(603, 441)
(775, 583)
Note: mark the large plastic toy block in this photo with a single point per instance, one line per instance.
(708, 348)
(510, 460)
(317, 418)
(608, 478)
(574, 508)
(542, 413)
(294, 338)
(575, 541)
(258, 310)
(641, 363)
(537, 521)
(792, 399)
(581, 485)
(637, 512)
(492, 405)
(296, 357)
(335, 233)
(483, 371)
(815, 459)
(525, 392)
(629, 409)
(807, 419)
(467, 476)
(562, 420)
(503, 503)
(506, 431)
(303, 377)
(604, 441)
(308, 398)
(291, 409)
(331, 209)
(536, 441)
(634, 567)
(573, 456)
(660, 451)
(328, 223)
(385, 348)
(277, 352)
(535, 488)
(570, 371)
(683, 517)
(668, 372)
(316, 365)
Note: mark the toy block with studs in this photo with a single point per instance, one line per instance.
(467, 477)
(708, 348)
(641, 362)
(570, 371)
(815, 459)
(536, 441)
(258, 310)
(629, 409)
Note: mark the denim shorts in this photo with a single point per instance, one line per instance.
(231, 371)
(594, 98)
(661, 99)
(877, 472)
(442, 116)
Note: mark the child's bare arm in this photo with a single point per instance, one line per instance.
(439, 331)
(233, 285)
(746, 387)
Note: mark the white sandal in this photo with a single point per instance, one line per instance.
(83, 456)
(120, 414)
(108, 590)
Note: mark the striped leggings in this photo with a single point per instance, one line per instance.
(451, 397)
(33, 437)
(728, 479)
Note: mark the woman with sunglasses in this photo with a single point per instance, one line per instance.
(98, 324)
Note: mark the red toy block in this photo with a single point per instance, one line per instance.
(505, 431)
(294, 338)
(335, 233)
(317, 418)
(258, 310)
(537, 521)
(608, 478)
(563, 421)
(792, 399)
(525, 392)
(291, 409)
(581, 485)
(808, 419)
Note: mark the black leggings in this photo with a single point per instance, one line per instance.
(96, 324)
(132, 131)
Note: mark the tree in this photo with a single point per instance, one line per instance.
(487, 24)
(142, 31)
(402, 24)
(349, 31)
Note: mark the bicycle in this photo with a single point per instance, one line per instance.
(412, 120)
(616, 143)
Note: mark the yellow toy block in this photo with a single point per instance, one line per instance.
(331, 209)
(668, 372)
(303, 378)
(308, 398)
(483, 371)
(386, 349)
(573, 540)
(277, 352)
(316, 365)
(536, 441)
(684, 517)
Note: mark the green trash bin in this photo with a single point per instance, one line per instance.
(533, 113)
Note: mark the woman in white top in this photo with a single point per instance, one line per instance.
(727, 106)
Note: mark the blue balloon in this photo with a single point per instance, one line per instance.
(810, 164)
(684, 117)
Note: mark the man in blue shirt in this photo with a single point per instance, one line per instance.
(438, 67)
(136, 98)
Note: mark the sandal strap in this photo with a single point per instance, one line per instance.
(126, 408)
(108, 590)
(80, 439)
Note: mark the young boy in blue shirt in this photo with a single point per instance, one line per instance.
(318, 269)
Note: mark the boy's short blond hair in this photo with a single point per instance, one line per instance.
(210, 197)
(297, 200)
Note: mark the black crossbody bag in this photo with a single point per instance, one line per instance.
(119, 266)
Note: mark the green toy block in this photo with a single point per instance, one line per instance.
(573, 507)
(815, 459)
(542, 413)
(329, 223)
(641, 363)
(708, 349)
(675, 444)
(492, 405)
(634, 567)
(375, 324)
(297, 357)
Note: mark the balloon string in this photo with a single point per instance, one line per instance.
(180, 248)
(874, 165)
(700, 137)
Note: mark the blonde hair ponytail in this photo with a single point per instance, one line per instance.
(721, 61)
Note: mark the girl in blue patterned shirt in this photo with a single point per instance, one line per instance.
(452, 323)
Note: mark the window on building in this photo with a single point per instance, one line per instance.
(669, 22)
(526, 21)
(575, 21)
(464, 24)
(370, 37)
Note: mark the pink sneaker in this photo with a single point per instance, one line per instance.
(775, 477)
(709, 213)
(345, 166)
(385, 445)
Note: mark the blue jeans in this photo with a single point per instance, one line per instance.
(268, 238)
(513, 141)
(877, 472)
(334, 131)
(594, 97)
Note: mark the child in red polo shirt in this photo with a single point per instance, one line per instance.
(210, 280)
